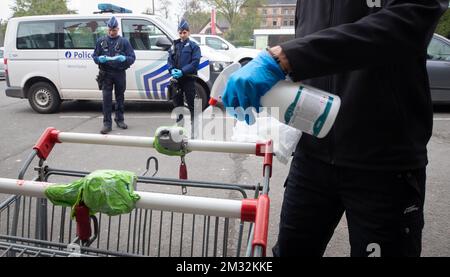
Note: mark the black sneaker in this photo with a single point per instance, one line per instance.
(105, 130)
(121, 125)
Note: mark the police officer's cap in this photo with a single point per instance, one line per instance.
(113, 23)
(184, 25)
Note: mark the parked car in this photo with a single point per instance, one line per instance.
(438, 66)
(237, 54)
(2, 65)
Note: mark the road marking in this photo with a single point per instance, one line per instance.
(74, 117)
(101, 117)
(134, 117)
(442, 119)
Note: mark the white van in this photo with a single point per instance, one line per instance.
(2, 66)
(48, 59)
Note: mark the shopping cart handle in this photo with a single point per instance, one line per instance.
(51, 136)
(262, 223)
(46, 142)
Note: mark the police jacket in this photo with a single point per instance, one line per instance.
(184, 55)
(373, 57)
(113, 47)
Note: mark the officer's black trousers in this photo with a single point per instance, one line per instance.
(187, 87)
(384, 209)
(116, 81)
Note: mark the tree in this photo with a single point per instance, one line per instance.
(148, 11)
(197, 20)
(246, 21)
(444, 25)
(2, 32)
(228, 8)
(195, 13)
(40, 7)
(165, 8)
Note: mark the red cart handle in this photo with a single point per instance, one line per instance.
(262, 223)
(46, 143)
(265, 149)
(257, 211)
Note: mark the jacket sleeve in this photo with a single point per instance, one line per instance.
(97, 51)
(193, 66)
(129, 53)
(170, 61)
(401, 30)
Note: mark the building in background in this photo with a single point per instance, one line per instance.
(277, 23)
(277, 14)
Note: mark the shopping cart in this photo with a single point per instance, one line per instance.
(162, 224)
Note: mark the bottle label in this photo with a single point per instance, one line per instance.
(309, 111)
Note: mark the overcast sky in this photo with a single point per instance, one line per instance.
(89, 6)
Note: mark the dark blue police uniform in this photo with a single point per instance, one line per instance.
(185, 56)
(114, 74)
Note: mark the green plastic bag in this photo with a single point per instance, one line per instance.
(105, 191)
(65, 195)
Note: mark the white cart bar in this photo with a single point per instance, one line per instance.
(52, 136)
(147, 142)
(154, 201)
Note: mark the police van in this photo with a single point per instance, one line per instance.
(48, 59)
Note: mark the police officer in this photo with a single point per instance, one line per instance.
(184, 58)
(372, 164)
(114, 55)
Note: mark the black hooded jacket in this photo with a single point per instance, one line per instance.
(374, 58)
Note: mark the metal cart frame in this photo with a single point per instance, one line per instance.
(254, 211)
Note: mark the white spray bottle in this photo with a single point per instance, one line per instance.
(303, 107)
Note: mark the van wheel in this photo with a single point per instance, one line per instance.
(44, 98)
(201, 93)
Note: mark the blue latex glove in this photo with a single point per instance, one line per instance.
(247, 85)
(177, 74)
(102, 59)
(120, 58)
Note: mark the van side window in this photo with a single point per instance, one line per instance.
(37, 35)
(142, 34)
(83, 34)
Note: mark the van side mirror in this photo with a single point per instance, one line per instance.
(225, 47)
(164, 43)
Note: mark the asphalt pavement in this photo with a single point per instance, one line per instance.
(21, 127)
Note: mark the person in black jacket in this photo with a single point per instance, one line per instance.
(372, 164)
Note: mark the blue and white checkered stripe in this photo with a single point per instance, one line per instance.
(153, 80)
